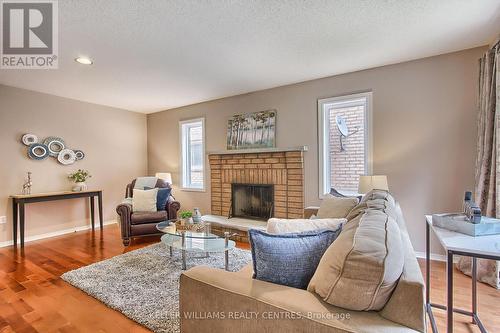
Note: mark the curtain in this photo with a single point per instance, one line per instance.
(487, 179)
(487, 163)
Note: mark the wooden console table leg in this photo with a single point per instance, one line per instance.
(99, 198)
(14, 221)
(21, 222)
(92, 212)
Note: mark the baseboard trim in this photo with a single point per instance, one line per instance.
(435, 257)
(57, 233)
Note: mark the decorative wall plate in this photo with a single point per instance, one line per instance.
(80, 155)
(55, 145)
(66, 157)
(38, 151)
(29, 139)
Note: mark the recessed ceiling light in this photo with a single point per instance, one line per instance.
(84, 61)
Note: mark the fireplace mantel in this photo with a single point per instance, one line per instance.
(258, 150)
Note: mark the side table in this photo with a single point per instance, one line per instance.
(454, 243)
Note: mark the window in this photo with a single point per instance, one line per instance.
(344, 127)
(192, 139)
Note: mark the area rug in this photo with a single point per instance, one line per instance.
(144, 284)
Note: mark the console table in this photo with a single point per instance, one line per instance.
(19, 201)
(454, 243)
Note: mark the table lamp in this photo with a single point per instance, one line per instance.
(368, 183)
(166, 176)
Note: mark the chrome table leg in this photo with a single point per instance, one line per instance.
(184, 251)
(226, 252)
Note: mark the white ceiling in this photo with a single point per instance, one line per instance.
(155, 55)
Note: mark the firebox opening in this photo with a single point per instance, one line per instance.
(253, 201)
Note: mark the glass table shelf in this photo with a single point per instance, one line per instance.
(195, 241)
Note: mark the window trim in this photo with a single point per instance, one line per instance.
(323, 141)
(203, 162)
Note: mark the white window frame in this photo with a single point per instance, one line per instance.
(183, 155)
(324, 142)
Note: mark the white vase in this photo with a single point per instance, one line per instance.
(80, 186)
(197, 215)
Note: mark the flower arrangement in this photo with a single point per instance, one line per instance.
(79, 176)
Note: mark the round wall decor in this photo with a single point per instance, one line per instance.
(29, 139)
(66, 157)
(55, 144)
(80, 155)
(51, 146)
(38, 151)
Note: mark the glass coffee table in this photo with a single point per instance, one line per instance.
(202, 242)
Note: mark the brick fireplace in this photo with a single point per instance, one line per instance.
(284, 169)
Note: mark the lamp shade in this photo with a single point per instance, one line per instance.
(368, 183)
(166, 176)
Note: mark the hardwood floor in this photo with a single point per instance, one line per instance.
(34, 299)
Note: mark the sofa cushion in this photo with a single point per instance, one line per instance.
(376, 199)
(281, 309)
(148, 217)
(144, 200)
(361, 268)
(335, 207)
(288, 259)
(283, 226)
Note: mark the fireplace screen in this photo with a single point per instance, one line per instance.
(255, 201)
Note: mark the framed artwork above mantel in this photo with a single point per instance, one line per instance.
(252, 130)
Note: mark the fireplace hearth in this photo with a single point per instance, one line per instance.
(253, 201)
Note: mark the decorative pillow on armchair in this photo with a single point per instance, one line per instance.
(144, 200)
(161, 197)
(289, 259)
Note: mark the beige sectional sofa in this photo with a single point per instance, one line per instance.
(213, 300)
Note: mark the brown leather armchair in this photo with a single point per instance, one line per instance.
(144, 223)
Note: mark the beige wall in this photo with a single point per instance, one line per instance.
(113, 140)
(423, 130)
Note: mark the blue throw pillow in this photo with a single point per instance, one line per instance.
(289, 259)
(161, 197)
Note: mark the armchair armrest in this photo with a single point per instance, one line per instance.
(124, 211)
(173, 207)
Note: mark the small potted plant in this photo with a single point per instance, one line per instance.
(186, 217)
(79, 177)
